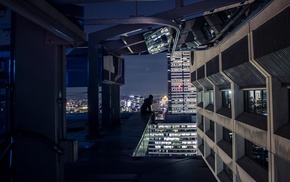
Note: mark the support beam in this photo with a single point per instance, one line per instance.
(95, 57)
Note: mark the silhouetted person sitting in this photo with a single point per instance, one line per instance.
(146, 110)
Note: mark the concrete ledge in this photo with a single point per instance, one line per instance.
(253, 169)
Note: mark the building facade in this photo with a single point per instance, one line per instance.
(181, 92)
(243, 99)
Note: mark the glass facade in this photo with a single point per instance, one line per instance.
(173, 139)
(181, 92)
(158, 41)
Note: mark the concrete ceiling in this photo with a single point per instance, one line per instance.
(195, 26)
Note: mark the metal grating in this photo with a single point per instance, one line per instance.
(197, 85)
(278, 64)
(246, 76)
(200, 72)
(212, 66)
(273, 35)
(204, 82)
(236, 54)
(220, 81)
(193, 76)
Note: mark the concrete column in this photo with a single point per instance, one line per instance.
(115, 104)
(237, 104)
(199, 119)
(95, 62)
(218, 165)
(218, 132)
(280, 169)
(217, 99)
(238, 151)
(205, 97)
(39, 105)
(206, 124)
(279, 97)
(107, 110)
(278, 115)
(206, 150)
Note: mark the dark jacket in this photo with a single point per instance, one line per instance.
(146, 106)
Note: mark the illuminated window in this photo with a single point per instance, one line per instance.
(256, 102)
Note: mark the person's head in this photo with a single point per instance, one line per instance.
(151, 97)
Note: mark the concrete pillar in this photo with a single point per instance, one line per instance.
(107, 110)
(281, 169)
(95, 61)
(279, 97)
(205, 97)
(237, 100)
(278, 115)
(115, 104)
(206, 150)
(238, 151)
(110, 105)
(39, 104)
(217, 98)
(199, 120)
(206, 124)
(218, 165)
(218, 132)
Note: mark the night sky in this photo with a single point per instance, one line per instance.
(145, 74)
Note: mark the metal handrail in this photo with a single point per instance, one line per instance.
(27, 133)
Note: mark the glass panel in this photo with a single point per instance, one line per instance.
(226, 99)
(200, 97)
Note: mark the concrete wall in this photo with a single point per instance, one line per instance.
(273, 138)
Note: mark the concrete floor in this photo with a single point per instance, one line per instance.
(109, 158)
